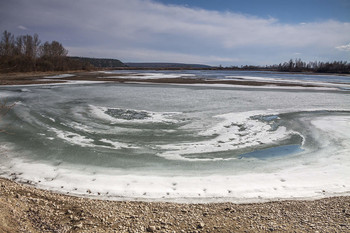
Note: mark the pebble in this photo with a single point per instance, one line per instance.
(69, 212)
(80, 225)
(151, 229)
(200, 225)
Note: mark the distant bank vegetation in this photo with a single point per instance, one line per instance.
(27, 53)
(298, 65)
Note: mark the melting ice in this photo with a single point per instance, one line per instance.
(177, 142)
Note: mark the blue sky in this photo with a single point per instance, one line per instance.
(198, 31)
(292, 11)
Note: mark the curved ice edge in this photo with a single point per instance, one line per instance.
(295, 182)
(189, 200)
(176, 151)
(59, 76)
(291, 81)
(53, 84)
(278, 151)
(316, 193)
(236, 86)
(150, 76)
(154, 117)
(205, 200)
(229, 136)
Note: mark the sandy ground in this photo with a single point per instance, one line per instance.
(24, 208)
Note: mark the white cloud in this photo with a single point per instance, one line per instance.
(344, 47)
(147, 20)
(145, 29)
(22, 27)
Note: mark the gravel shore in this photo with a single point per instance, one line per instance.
(24, 208)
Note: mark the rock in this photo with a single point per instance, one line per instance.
(151, 229)
(200, 225)
(78, 226)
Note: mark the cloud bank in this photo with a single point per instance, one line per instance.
(344, 47)
(138, 30)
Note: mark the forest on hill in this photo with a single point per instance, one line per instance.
(163, 65)
(26, 53)
(100, 62)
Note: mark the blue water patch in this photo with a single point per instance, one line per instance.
(269, 118)
(266, 118)
(273, 152)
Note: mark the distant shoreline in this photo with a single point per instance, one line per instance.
(228, 69)
(44, 78)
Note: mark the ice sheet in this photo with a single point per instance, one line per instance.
(192, 144)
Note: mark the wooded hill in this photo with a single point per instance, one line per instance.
(27, 53)
(162, 65)
(100, 62)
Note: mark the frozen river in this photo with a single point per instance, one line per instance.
(187, 143)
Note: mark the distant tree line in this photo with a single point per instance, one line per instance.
(26, 53)
(100, 62)
(298, 65)
(321, 67)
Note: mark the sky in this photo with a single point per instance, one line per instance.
(220, 32)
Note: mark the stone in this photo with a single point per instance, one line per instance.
(78, 226)
(200, 225)
(151, 229)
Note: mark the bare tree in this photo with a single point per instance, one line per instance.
(53, 49)
(7, 44)
(19, 47)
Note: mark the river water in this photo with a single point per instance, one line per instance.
(184, 143)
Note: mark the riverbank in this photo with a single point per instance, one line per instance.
(96, 76)
(24, 208)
